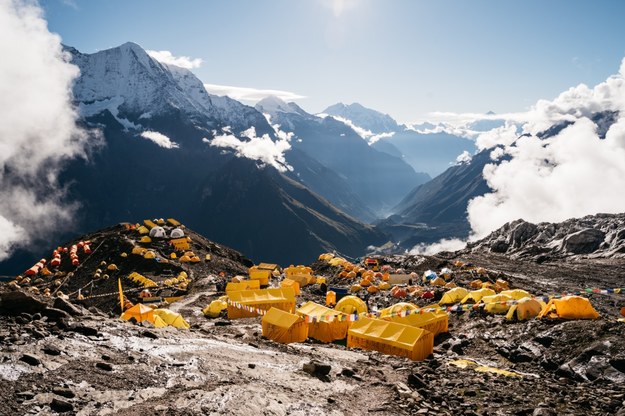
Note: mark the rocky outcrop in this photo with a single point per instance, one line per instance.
(598, 236)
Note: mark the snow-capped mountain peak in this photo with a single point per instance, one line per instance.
(273, 106)
(366, 118)
(126, 81)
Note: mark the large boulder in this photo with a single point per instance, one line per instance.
(17, 302)
(584, 241)
(67, 306)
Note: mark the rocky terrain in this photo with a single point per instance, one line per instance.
(76, 357)
(593, 236)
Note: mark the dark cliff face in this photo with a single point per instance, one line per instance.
(270, 217)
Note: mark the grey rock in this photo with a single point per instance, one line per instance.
(416, 381)
(14, 303)
(54, 314)
(26, 395)
(67, 306)
(64, 392)
(51, 350)
(543, 411)
(317, 368)
(104, 366)
(499, 246)
(584, 241)
(30, 359)
(61, 406)
(522, 233)
(149, 334)
(85, 330)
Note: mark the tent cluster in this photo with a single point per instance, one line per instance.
(158, 236)
(282, 322)
(263, 272)
(521, 305)
(402, 329)
(43, 271)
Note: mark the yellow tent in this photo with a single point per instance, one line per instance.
(439, 281)
(140, 312)
(324, 329)
(242, 285)
(215, 307)
(149, 223)
(435, 322)
(264, 299)
(173, 221)
(526, 308)
(516, 293)
(351, 304)
(284, 327)
(396, 309)
(336, 261)
(172, 318)
(301, 274)
(476, 295)
(292, 284)
(390, 338)
(453, 296)
(495, 303)
(569, 307)
(262, 272)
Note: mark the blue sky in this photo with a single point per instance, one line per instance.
(406, 58)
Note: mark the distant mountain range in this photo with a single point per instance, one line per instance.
(432, 152)
(378, 179)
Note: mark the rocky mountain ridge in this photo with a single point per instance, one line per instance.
(593, 236)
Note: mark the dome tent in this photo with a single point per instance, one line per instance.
(176, 233)
(158, 232)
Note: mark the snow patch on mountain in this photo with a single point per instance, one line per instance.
(112, 105)
(273, 105)
(367, 135)
(366, 118)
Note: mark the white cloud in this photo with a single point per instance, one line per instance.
(571, 174)
(505, 135)
(38, 131)
(453, 244)
(250, 94)
(464, 157)
(167, 57)
(262, 149)
(160, 139)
